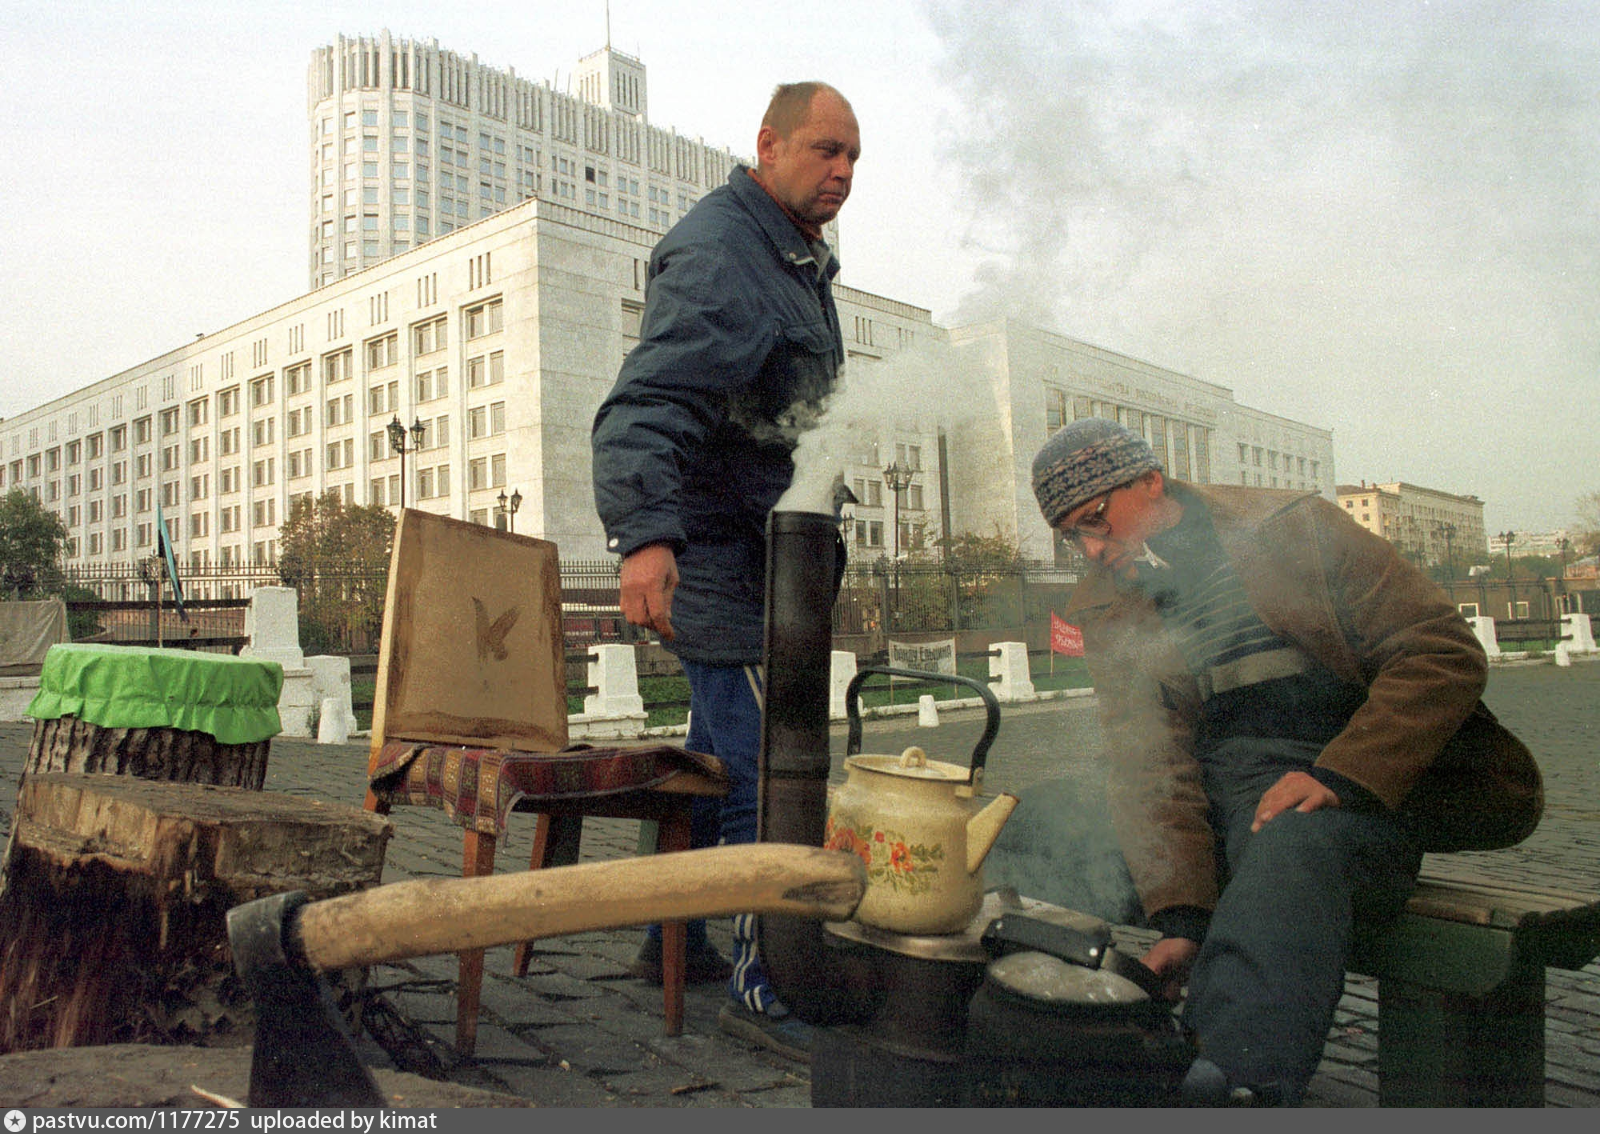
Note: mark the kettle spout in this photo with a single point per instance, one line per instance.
(984, 828)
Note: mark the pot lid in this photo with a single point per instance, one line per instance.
(912, 764)
(1053, 983)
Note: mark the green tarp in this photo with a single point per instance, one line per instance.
(232, 699)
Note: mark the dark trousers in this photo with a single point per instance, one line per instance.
(1271, 970)
(725, 722)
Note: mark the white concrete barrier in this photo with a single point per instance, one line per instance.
(841, 671)
(1563, 657)
(615, 709)
(330, 679)
(333, 725)
(272, 623)
(614, 673)
(927, 712)
(1010, 665)
(1483, 627)
(1579, 632)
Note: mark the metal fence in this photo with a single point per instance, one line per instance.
(885, 597)
(340, 612)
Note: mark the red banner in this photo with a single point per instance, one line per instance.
(1065, 638)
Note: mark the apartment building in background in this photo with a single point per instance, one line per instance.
(1429, 526)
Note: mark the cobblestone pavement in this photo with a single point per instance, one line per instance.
(578, 1031)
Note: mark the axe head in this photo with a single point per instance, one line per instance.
(304, 1053)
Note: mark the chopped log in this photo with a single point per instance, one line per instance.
(113, 921)
(67, 744)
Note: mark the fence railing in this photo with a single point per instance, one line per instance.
(341, 611)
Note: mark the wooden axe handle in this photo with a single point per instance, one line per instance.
(433, 916)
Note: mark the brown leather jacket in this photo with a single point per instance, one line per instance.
(1423, 741)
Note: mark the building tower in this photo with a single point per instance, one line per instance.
(409, 141)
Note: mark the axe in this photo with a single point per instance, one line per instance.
(304, 1055)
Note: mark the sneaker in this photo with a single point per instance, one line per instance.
(702, 964)
(784, 1034)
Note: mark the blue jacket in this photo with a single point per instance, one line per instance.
(692, 447)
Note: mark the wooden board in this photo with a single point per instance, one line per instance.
(1493, 903)
(472, 651)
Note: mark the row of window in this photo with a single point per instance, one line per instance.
(1252, 455)
(1183, 448)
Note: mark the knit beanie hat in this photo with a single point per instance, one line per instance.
(1084, 460)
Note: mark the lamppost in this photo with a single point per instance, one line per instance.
(897, 477)
(507, 507)
(1449, 533)
(397, 442)
(1563, 545)
(1508, 538)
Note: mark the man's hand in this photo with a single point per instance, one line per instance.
(1297, 790)
(1172, 958)
(649, 576)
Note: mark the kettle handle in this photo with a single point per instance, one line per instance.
(852, 710)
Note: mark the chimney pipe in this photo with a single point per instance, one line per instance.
(823, 982)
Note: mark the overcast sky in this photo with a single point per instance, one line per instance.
(1378, 216)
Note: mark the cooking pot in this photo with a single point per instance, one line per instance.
(1062, 1018)
(917, 825)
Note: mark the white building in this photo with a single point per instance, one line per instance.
(1035, 381)
(501, 335)
(409, 142)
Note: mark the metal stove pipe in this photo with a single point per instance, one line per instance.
(822, 983)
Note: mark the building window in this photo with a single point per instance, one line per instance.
(430, 336)
(383, 351)
(483, 319)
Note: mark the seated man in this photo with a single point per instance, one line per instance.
(1292, 717)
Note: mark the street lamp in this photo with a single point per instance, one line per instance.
(1563, 545)
(507, 507)
(397, 442)
(1449, 533)
(897, 477)
(1508, 538)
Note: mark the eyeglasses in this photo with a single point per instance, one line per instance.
(1094, 524)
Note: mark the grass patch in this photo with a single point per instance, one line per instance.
(1070, 673)
(362, 691)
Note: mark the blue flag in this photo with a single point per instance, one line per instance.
(164, 546)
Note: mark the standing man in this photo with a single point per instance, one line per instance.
(1292, 717)
(739, 343)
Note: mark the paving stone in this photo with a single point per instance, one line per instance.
(497, 1045)
(591, 1050)
(592, 967)
(658, 1084)
(559, 986)
(795, 1096)
(555, 1087)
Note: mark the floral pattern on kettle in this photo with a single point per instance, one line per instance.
(911, 867)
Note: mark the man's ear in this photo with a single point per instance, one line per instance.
(1155, 483)
(766, 147)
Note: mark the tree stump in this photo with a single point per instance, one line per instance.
(67, 744)
(113, 923)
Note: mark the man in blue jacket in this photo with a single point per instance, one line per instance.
(739, 344)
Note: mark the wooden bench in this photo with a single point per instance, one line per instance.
(1461, 993)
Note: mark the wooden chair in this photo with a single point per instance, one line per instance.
(470, 715)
